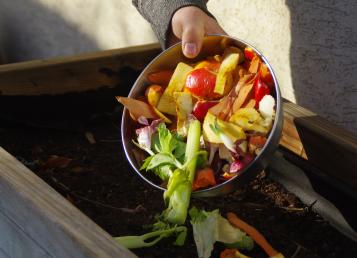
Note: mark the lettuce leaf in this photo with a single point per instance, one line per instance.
(166, 142)
(204, 226)
(167, 153)
(211, 227)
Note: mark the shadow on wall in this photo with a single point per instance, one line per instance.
(22, 20)
(323, 58)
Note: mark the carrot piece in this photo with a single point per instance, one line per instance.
(232, 253)
(216, 109)
(204, 177)
(161, 77)
(257, 141)
(255, 65)
(243, 95)
(249, 104)
(227, 253)
(253, 233)
(243, 80)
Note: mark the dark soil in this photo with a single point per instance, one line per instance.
(100, 182)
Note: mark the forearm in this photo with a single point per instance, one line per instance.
(159, 14)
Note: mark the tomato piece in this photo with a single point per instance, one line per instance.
(249, 53)
(201, 108)
(260, 90)
(200, 83)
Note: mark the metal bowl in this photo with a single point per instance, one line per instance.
(168, 59)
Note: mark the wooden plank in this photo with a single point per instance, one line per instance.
(74, 73)
(41, 213)
(12, 237)
(327, 147)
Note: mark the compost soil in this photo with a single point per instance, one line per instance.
(88, 167)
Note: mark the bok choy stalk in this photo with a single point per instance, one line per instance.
(179, 187)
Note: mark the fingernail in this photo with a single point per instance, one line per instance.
(190, 49)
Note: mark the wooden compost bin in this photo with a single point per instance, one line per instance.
(36, 221)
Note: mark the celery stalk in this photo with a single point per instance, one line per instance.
(179, 187)
(192, 147)
(132, 242)
(177, 197)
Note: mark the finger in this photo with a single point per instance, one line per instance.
(192, 37)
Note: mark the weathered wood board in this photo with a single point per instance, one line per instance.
(328, 148)
(72, 74)
(36, 221)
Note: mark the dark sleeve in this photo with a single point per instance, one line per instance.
(159, 13)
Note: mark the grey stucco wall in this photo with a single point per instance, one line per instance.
(35, 29)
(323, 58)
(312, 45)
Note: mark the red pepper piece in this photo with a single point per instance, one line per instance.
(249, 53)
(260, 90)
(266, 75)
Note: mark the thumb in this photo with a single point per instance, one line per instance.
(192, 37)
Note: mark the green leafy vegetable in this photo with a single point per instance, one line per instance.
(166, 142)
(180, 149)
(209, 227)
(228, 234)
(204, 231)
(166, 139)
(161, 159)
(168, 152)
(171, 153)
(164, 171)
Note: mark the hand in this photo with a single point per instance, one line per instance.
(190, 24)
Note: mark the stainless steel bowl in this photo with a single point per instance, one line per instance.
(168, 59)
